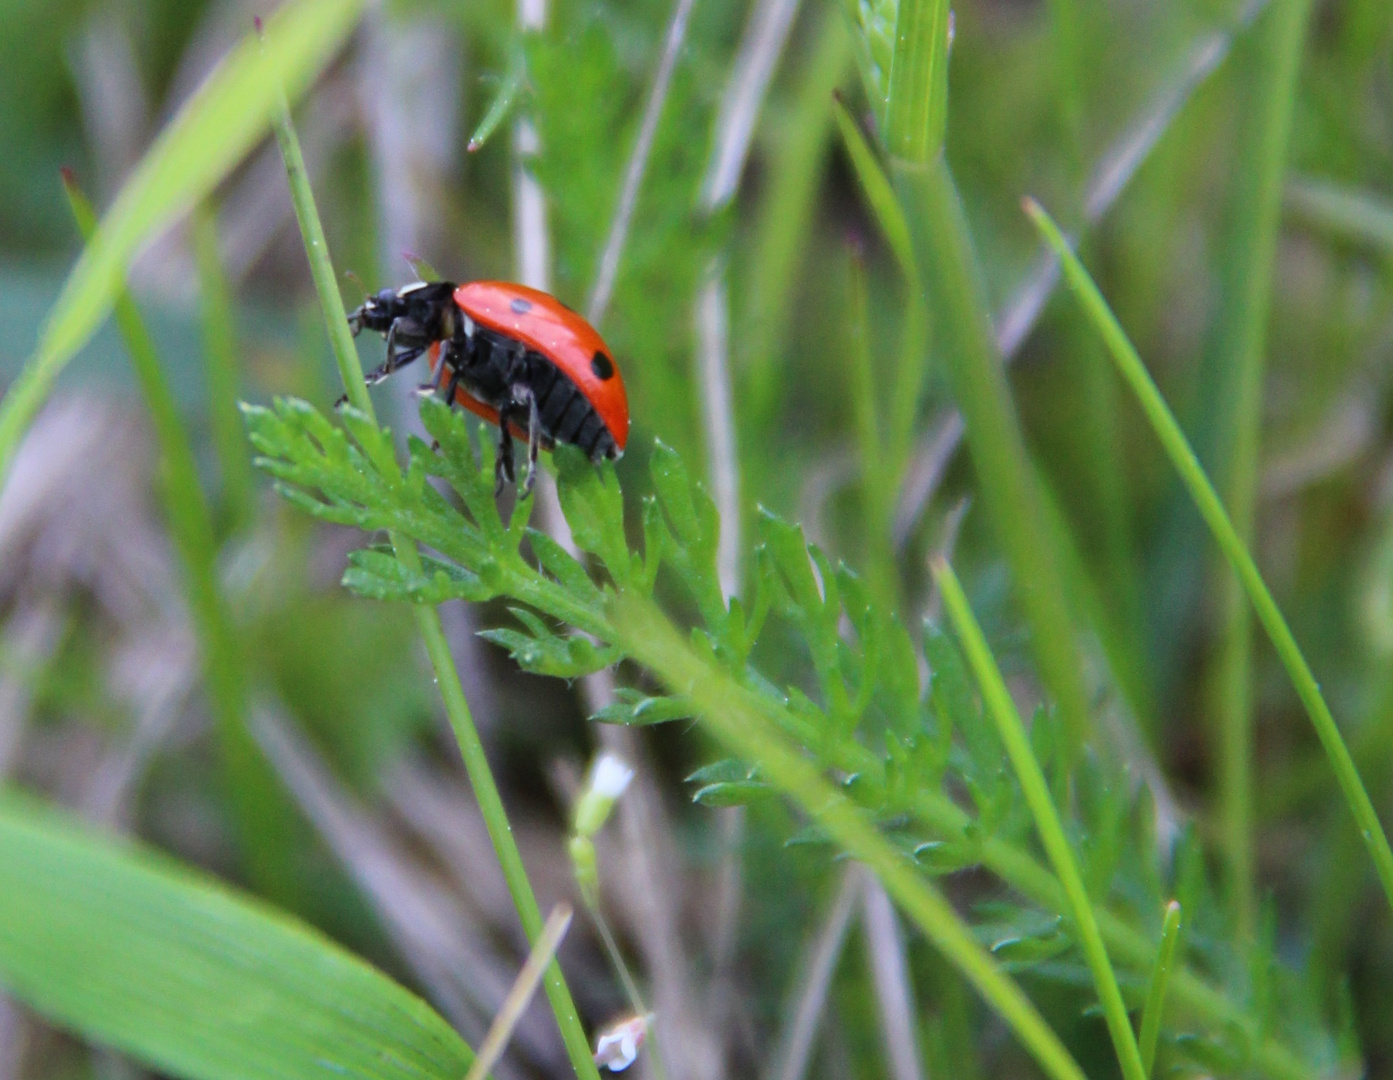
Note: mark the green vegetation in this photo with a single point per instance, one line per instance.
(1177, 866)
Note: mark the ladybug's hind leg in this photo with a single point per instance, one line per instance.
(534, 440)
(503, 465)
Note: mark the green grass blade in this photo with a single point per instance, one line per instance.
(916, 110)
(428, 618)
(945, 255)
(210, 135)
(738, 722)
(508, 91)
(1156, 990)
(1212, 510)
(880, 194)
(1239, 368)
(1042, 809)
(220, 362)
(786, 218)
(1348, 213)
(261, 810)
(129, 948)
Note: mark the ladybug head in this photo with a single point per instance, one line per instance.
(377, 312)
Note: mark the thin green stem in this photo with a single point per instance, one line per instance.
(220, 357)
(1042, 808)
(740, 724)
(257, 803)
(1155, 1007)
(876, 486)
(428, 618)
(944, 251)
(1239, 371)
(783, 228)
(1212, 510)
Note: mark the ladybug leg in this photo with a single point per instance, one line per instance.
(534, 441)
(503, 464)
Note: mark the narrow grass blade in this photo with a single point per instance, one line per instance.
(875, 485)
(1237, 373)
(908, 376)
(503, 101)
(739, 723)
(1047, 823)
(210, 135)
(880, 194)
(520, 996)
(260, 808)
(1361, 216)
(129, 948)
(1212, 510)
(944, 252)
(783, 229)
(220, 362)
(1155, 1006)
(428, 618)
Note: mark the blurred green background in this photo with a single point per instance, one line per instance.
(1130, 121)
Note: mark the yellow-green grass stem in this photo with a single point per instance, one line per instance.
(1042, 809)
(1240, 367)
(1207, 500)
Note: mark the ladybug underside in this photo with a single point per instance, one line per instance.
(488, 372)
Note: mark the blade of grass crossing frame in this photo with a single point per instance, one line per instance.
(785, 219)
(220, 362)
(1238, 372)
(1155, 1006)
(909, 371)
(876, 489)
(1042, 808)
(1000, 459)
(263, 816)
(203, 143)
(428, 618)
(1183, 457)
(129, 948)
(738, 722)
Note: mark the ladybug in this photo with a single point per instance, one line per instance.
(518, 357)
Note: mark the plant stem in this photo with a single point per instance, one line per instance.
(1240, 363)
(999, 454)
(1207, 500)
(726, 709)
(876, 486)
(428, 618)
(1042, 808)
(1156, 990)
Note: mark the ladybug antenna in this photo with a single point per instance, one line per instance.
(350, 275)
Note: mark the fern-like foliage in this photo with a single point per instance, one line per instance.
(926, 765)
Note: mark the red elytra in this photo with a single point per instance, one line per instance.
(563, 336)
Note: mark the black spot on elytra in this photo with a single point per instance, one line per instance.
(521, 306)
(602, 366)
